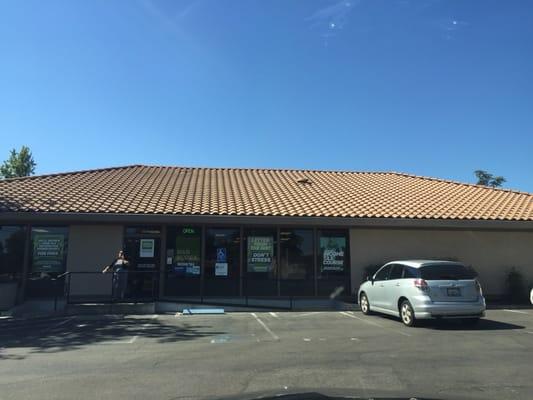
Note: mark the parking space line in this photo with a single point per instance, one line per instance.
(516, 311)
(274, 314)
(59, 324)
(144, 326)
(307, 314)
(348, 314)
(274, 336)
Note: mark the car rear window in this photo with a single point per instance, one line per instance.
(446, 272)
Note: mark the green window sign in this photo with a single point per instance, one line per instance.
(333, 250)
(48, 253)
(260, 253)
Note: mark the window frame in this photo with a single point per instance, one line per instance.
(393, 266)
(389, 266)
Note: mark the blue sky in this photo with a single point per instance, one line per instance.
(435, 88)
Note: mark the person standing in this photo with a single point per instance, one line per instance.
(119, 268)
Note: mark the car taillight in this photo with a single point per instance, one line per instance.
(478, 288)
(422, 285)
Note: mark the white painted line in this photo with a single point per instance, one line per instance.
(529, 332)
(373, 323)
(345, 313)
(59, 324)
(144, 326)
(307, 314)
(274, 336)
(306, 339)
(274, 314)
(355, 339)
(516, 311)
(178, 314)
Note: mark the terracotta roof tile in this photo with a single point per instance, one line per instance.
(139, 189)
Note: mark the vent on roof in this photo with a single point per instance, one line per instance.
(304, 181)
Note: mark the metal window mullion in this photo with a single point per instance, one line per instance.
(162, 260)
(278, 260)
(241, 260)
(202, 262)
(25, 264)
(315, 259)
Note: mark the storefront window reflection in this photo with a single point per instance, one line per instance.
(333, 263)
(12, 240)
(297, 262)
(49, 247)
(183, 261)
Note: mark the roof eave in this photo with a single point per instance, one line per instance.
(111, 218)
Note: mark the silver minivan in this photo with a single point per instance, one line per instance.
(423, 289)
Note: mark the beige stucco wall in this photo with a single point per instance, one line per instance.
(491, 253)
(90, 248)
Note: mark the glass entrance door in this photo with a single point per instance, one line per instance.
(222, 269)
(142, 247)
(183, 261)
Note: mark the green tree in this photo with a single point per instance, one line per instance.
(487, 179)
(18, 164)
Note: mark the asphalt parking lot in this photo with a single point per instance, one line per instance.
(249, 355)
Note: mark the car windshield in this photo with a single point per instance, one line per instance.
(446, 272)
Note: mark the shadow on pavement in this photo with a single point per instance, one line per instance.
(317, 396)
(454, 324)
(458, 325)
(71, 333)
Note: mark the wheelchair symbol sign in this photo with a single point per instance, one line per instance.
(221, 254)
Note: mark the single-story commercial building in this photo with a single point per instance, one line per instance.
(224, 232)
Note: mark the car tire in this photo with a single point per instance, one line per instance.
(407, 314)
(364, 304)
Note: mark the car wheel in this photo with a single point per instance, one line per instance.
(407, 313)
(364, 304)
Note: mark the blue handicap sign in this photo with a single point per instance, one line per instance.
(221, 254)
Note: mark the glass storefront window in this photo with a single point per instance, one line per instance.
(297, 262)
(333, 263)
(12, 239)
(142, 250)
(183, 261)
(261, 265)
(48, 260)
(222, 269)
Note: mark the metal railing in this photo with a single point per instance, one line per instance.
(143, 286)
(111, 287)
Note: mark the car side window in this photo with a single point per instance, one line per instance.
(383, 273)
(409, 272)
(396, 272)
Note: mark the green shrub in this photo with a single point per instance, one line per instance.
(517, 292)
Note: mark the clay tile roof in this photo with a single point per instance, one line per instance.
(140, 189)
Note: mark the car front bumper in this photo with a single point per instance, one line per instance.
(430, 309)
